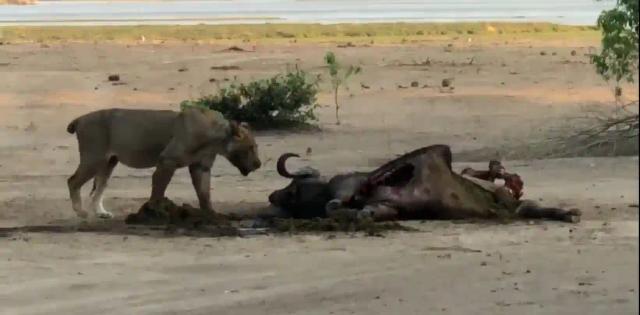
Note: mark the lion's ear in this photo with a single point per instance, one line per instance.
(235, 129)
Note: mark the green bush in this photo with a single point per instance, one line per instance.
(286, 100)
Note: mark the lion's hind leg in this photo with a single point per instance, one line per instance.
(83, 173)
(99, 185)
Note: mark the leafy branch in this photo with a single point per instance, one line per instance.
(339, 76)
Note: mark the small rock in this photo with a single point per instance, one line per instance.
(114, 77)
(573, 53)
(183, 69)
(446, 82)
(484, 263)
(543, 53)
(415, 84)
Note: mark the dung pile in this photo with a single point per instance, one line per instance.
(185, 217)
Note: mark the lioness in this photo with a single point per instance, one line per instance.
(165, 139)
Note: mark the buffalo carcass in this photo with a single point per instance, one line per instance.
(418, 185)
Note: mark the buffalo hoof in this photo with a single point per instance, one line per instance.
(572, 216)
(335, 210)
(365, 214)
(333, 205)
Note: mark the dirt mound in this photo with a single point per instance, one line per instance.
(169, 214)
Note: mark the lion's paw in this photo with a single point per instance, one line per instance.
(104, 214)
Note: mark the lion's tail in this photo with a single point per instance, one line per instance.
(71, 128)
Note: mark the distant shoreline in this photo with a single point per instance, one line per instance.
(344, 32)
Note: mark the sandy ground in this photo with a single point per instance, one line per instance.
(509, 94)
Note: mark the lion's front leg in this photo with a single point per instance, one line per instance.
(160, 180)
(201, 179)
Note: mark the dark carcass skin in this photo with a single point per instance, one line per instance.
(418, 185)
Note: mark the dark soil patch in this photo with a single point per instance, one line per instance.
(185, 217)
(235, 49)
(167, 219)
(368, 227)
(225, 68)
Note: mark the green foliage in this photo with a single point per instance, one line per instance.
(281, 101)
(339, 76)
(618, 59)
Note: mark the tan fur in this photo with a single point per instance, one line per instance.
(166, 140)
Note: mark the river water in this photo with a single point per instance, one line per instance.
(48, 12)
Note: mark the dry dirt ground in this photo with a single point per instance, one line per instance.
(509, 94)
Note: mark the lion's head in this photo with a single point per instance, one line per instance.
(242, 150)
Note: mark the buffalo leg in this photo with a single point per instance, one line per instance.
(530, 210)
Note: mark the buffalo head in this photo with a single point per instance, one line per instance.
(306, 195)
